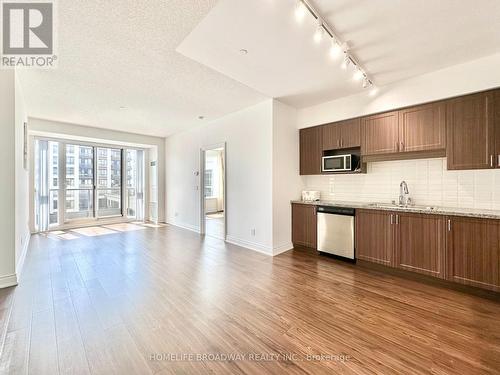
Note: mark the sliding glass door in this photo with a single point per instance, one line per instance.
(79, 192)
(81, 182)
(109, 182)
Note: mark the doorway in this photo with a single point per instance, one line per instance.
(213, 191)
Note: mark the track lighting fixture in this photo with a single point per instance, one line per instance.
(358, 74)
(335, 49)
(346, 62)
(300, 11)
(302, 8)
(318, 35)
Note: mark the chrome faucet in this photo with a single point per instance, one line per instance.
(404, 194)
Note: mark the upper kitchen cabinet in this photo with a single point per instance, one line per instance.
(380, 134)
(341, 135)
(497, 127)
(310, 151)
(470, 132)
(423, 128)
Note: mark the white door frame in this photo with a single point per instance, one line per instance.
(202, 185)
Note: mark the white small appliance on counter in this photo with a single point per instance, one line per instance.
(310, 195)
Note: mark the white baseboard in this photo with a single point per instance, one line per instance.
(20, 261)
(250, 245)
(8, 280)
(190, 227)
(282, 248)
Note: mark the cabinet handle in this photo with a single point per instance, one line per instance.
(402, 146)
(341, 143)
(449, 225)
(397, 219)
(391, 218)
(499, 160)
(491, 161)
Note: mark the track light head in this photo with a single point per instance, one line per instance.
(346, 62)
(358, 74)
(335, 50)
(318, 35)
(300, 11)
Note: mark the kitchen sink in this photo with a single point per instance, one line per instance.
(398, 207)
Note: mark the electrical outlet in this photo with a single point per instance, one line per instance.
(252, 232)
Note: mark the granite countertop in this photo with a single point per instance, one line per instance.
(450, 211)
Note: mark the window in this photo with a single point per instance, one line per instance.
(109, 184)
(208, 183)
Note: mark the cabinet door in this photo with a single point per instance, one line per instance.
(380, 134)
(375, 236)
(350, 133)
(310, 151)
(473, 248)
(470, 132)
(304, 226)
(421, 243)
(422, 128)
(497, 127)
(331, 136)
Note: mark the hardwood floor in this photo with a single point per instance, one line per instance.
(135, 301)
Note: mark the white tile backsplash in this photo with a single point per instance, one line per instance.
(428, 181)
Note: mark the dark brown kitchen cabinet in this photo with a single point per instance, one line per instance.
(342, 134)
(375, 236)
(473, 252)
(497, 127)
(422, 128)
(470, 132)
(421, 243)
(380, 134)
(310, 151)
(304, 224)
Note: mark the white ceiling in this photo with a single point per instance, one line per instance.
(392, 40)
(117, 53)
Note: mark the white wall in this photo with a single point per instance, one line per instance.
(287, 183)
(457, 80)
(7, 187)
(22, 233)
(79, 132)
(428, 181)
(248, 137)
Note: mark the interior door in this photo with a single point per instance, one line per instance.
(79, 184)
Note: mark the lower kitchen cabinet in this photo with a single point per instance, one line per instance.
(473, 251)
(421, 243)
(375, 236)
(304, 225)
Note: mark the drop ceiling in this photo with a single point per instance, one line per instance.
(153, 67)
(392, 40)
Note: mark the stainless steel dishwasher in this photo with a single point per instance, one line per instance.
(336, 231)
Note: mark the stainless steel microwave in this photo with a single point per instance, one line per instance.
(339, 163)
